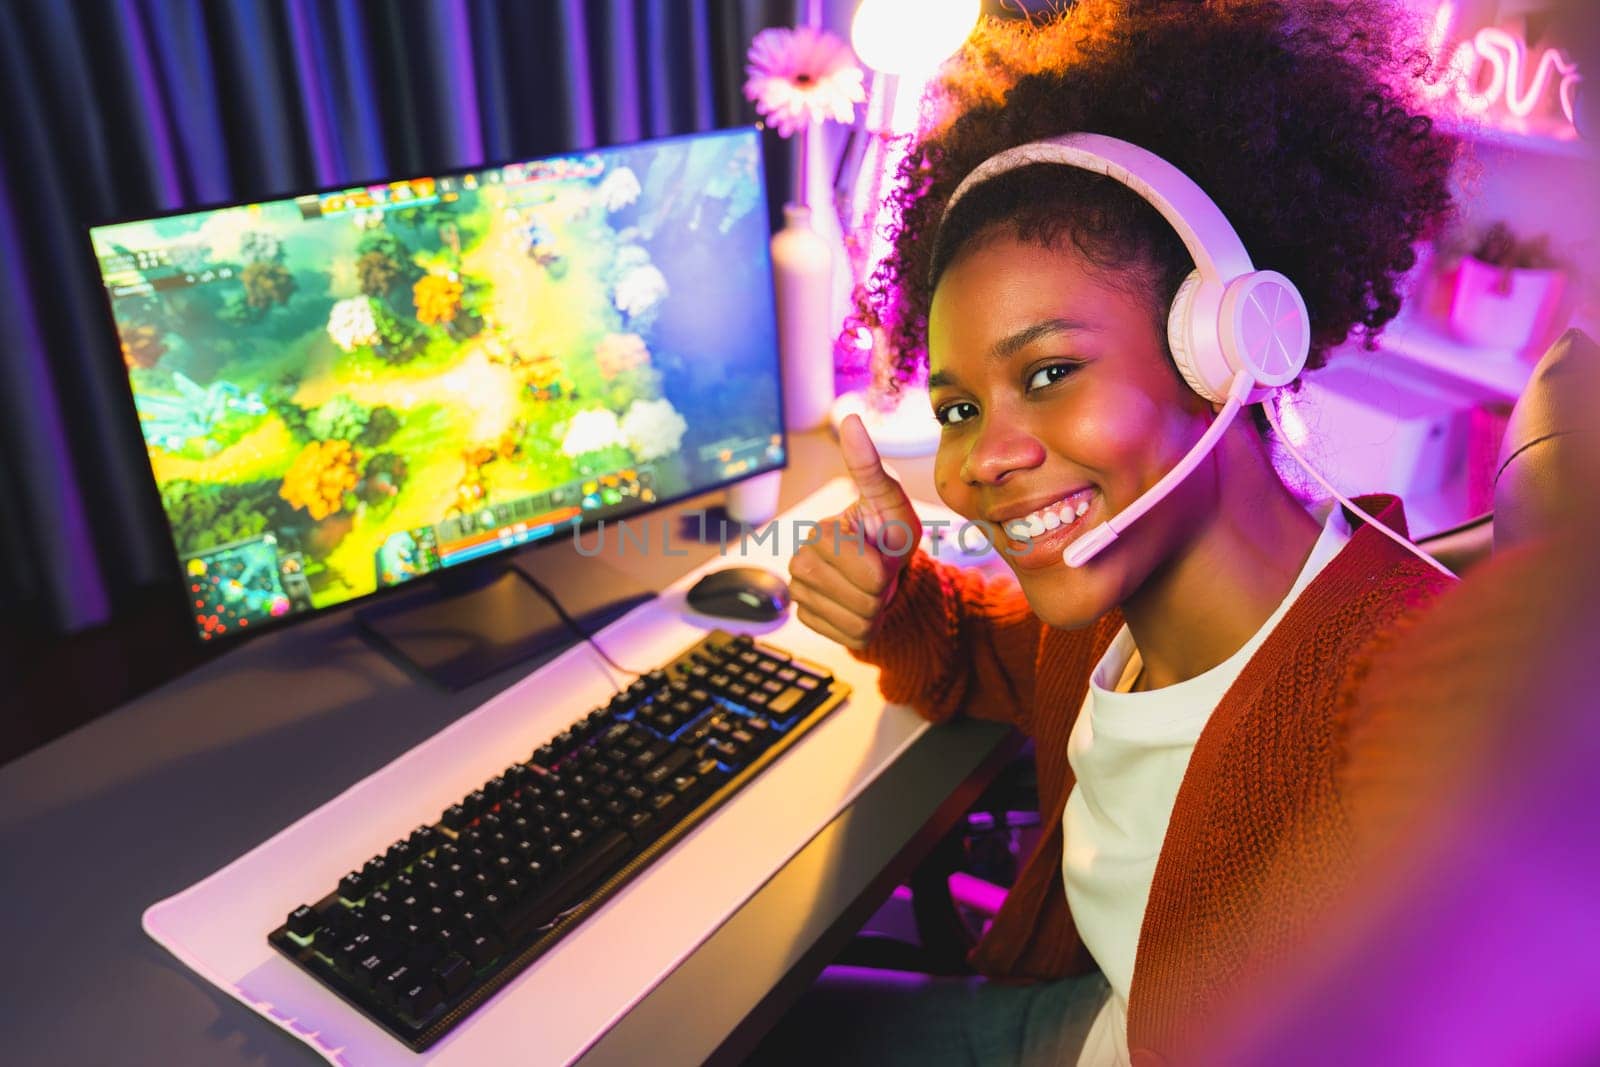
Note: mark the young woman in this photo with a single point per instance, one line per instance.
(1185, 688)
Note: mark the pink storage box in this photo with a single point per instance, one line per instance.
(1488, 313)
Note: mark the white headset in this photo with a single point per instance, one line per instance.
(1236, 333)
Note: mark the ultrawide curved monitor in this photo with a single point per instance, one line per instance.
(344, 391)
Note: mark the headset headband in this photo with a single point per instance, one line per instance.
(1206, 232)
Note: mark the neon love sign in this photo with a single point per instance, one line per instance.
(1510, 82)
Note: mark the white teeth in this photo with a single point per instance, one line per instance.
(1044, 520)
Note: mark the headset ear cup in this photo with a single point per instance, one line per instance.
(1178, 337)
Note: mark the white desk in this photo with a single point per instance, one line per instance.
(160, 794)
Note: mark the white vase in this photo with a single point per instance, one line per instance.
(802, 269)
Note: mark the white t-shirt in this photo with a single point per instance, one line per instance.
(1129, 752)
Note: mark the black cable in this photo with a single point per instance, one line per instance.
(575, 627)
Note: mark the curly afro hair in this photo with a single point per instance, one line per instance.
(1295, 117)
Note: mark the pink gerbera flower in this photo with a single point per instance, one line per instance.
(801, 76)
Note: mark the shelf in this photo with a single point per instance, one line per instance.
(1484, 374)
(1480, 133)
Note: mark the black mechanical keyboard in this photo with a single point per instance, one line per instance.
(431, 926)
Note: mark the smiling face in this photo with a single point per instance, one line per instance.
(1059, 406)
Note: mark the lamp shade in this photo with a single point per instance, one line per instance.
(911, 36)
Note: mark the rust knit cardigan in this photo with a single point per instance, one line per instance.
(1261, 794)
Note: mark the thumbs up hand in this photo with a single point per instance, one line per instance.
(842, 582)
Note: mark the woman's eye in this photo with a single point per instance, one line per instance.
(950, 414)
(1047, 375)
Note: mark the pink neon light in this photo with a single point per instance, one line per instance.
(1507, 56)
(1439, 30)
(1464, 65)
(1508, 67)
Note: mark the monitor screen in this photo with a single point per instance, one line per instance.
(346, 390)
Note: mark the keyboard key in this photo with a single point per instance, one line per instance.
(303, 922)
(419, 1000)
(481, 949)
(346, 955)
(722, 750)
(454, 973)
(369, 970)
(667, 766)
(811, 670)
(394, 985)
(651, 754)
(786, 700)
(331, 913)
(641, 826)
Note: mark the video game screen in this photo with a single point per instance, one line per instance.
(345, 390)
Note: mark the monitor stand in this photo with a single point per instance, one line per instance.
(461, 628)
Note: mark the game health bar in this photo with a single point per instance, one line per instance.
(413, 193)
(483, 544)
(544, 170)
(119, 288)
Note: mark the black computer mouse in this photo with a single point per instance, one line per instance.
(740, 593)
